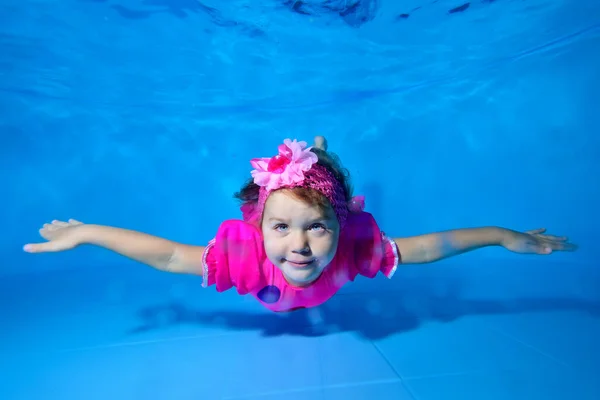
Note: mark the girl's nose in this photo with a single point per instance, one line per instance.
(300, 244)
(304, 251)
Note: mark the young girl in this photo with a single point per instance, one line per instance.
(302, 237)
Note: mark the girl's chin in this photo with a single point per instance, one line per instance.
(300, 278)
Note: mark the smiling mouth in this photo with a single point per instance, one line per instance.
(299, 264)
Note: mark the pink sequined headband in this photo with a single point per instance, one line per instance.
(296, 166)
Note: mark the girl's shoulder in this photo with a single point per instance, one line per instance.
(366, 248)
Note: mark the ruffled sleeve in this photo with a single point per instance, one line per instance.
(233, 258)
(366, 248)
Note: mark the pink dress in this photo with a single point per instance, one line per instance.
(236, 258)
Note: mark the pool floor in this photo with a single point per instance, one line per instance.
(149, 335)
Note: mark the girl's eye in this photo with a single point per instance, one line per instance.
(318, 227)
(314, 227)
(280, 227)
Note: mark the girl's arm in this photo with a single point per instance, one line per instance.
(437, 246)
(154, 251)
(162, 254)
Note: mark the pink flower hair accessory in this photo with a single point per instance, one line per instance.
(296, 166)
(286, 168)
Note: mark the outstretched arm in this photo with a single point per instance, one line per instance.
(162, 254)
(437, 246)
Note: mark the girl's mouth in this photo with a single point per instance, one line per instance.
(299, 264)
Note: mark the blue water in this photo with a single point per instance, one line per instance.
(144, 114)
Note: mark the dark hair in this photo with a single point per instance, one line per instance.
(249, 192)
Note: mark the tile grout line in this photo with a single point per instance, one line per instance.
(310, 389)
(141, 342)
(386, 360)
(521, 342)
(402, 380)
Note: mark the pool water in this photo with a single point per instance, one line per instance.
(144, 114)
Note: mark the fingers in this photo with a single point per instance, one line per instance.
(554, 238)
(62, 223)
(539, 232)
(40, 247)
(558, 245)
(50, 227)
(564, 246)
(544, 250)
(546, 244)
(536, 231)
(55, 224)
(50, 232)
(59, 223)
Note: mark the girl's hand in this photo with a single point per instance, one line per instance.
(60, 236)
(535, 242)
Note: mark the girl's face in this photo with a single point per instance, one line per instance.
(300, 239)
